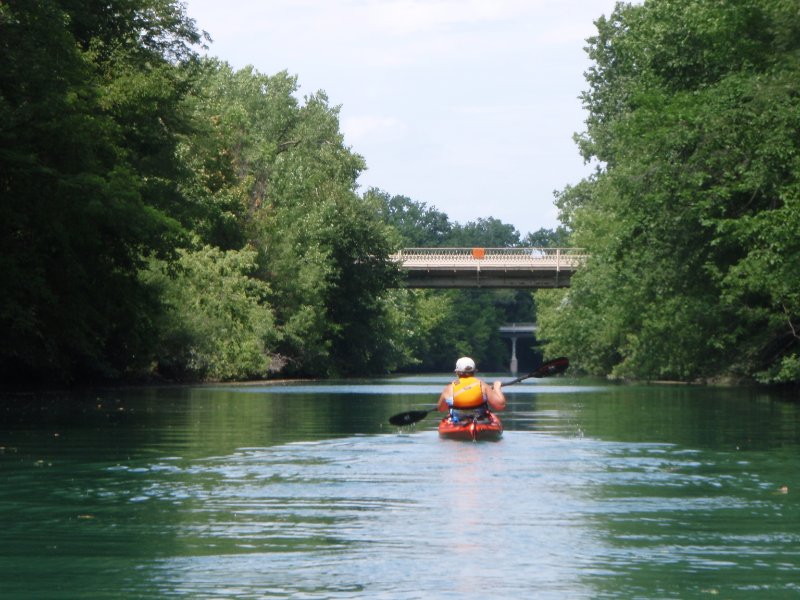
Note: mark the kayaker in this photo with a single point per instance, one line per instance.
(469, 397)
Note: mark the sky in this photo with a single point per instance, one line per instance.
(468, 106)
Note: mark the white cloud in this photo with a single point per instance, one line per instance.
(372, 129)
(567, 33)
(406, 17)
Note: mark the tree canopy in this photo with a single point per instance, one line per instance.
(89, 119)
(165, 215)
(691, 218)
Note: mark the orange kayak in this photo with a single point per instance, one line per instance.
(489, 429)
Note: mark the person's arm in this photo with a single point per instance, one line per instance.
(495, 396)
(447, 394)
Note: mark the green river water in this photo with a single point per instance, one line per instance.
(305, 491)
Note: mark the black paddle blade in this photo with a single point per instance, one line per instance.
(552, 367)
(408, 418)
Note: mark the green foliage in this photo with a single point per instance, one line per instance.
(488, 233)
(217, 324)
(416, 224)
(419, 226)
(167, 215)
(547, 238)
(416, 320)
(241, 122)
(691, 219)
(274, 173)
(84, 179)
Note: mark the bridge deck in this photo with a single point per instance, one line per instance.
(518, 329)
(489, 267)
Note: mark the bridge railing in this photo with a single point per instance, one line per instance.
(568, 258)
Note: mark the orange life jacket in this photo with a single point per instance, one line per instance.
(467, 393)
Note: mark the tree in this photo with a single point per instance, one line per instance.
(216, 324)
(275, 175)
(490, 233)
(416, 224)
(547, 238)
(693, 117)
(88, 117)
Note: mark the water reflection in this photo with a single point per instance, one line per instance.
(594, 492)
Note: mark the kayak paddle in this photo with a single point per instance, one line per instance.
(410, 417)
(551, 367)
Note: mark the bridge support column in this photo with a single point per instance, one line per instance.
(513, 331)
(514, 366)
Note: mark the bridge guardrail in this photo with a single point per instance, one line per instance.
(567, 258)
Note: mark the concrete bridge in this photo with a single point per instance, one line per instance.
(515, 331)
(489, 267)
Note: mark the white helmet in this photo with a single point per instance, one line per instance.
(465, 365)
